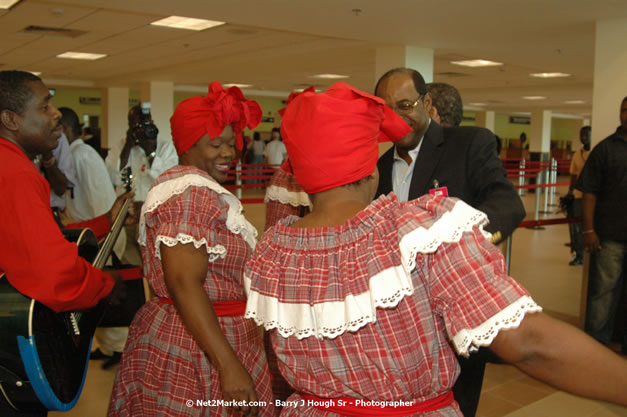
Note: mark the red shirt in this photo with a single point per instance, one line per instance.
(34, 255)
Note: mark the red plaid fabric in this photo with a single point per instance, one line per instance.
(278, 202)
(162, 366)
(405, 355)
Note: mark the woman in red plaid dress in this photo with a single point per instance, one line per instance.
(366, 300)
(190, 352)
(285, 197)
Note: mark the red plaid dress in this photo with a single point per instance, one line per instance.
(162, 367)
(370, 309)
(284, 197)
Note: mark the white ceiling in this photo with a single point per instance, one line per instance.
(277, 44)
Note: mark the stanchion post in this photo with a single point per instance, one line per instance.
(547, 182)
(538, 182)
(238, 179)
(553, 181)
(521, 177)
(508, 252)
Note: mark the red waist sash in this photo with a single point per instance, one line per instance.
(347, 406)
(231, 308)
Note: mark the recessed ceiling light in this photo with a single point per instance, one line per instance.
(37, 73)
(573, 102)
(549, 75)
(329, 76)
(189, 23)
(81, 55)
(534, 97)
(477, 63)
(477, 104)
(6, 4)
(227, 85)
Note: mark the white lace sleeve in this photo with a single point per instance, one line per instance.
(159, 194)
(215, 252)
(469, 340)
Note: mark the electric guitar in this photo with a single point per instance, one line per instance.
(43, 354)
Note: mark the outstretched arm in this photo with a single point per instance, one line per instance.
(564, 357)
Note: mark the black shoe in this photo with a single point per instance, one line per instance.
(112, 361)
(576, 261)
(97, 355)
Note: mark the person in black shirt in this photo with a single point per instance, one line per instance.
(603, 182)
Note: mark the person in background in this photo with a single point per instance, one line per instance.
(275, 152)
(446, 105)
(577, 162)
(603, 182)
(257, 156)
(57, 167)
(92, 196)
(191, 342)
(147, 157)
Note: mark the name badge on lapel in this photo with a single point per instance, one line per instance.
(437, 190)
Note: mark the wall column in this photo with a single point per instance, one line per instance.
(114, 117)
(420, 59)
(610, 77)
(485, 119)
(161, 95)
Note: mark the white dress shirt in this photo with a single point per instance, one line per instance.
(63, 155)
(402, 172)
(143, 173)
(93, 193)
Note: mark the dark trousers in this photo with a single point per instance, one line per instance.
(576, 229)
(467, 388)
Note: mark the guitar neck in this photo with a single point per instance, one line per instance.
(112, 236)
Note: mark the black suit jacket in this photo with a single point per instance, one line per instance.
(464, 160)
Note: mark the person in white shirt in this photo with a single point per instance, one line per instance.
(275, 152)
(92, 196)
(147, 157)
(58, 169)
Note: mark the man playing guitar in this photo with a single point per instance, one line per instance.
(34, 255)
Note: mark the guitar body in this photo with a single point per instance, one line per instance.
(43, 354)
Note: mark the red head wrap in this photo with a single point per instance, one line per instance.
(332, 138)
(196, 116)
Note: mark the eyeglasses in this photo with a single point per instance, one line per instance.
(406, 106)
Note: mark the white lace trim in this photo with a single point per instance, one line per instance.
(284, 196)
(469, 340)
(235, 221)
(386, 289)
(215, 252)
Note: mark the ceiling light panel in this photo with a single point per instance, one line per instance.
(227, 85)
(329, 76)
(189, 23)
(549, 75)
(81, 55)
(534, 97)
(477, 63)
(7, 4)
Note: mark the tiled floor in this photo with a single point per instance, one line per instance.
(540, 262)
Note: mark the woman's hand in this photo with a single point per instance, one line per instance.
(237, 385)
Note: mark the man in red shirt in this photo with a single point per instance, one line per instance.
(34, 255)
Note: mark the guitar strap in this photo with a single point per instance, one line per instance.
(57, 218)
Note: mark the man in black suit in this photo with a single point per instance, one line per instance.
(462, 159)
(457, 161)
